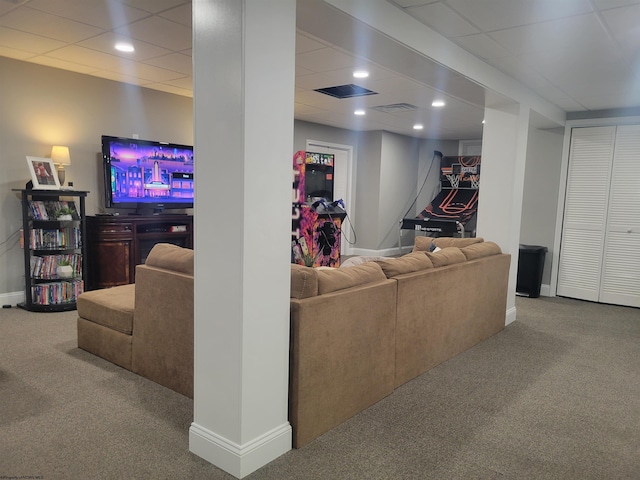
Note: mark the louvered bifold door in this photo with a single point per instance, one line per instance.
(586, 204)
(621, 257)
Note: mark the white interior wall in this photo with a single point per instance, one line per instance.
(42, 107)
(540, 195)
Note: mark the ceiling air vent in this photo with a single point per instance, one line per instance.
(395, 108)
(346, 91)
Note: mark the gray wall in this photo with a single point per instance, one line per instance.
(42, 107)
(540, 195)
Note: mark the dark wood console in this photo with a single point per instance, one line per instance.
(117, 243)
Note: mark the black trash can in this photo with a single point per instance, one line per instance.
(530, 267)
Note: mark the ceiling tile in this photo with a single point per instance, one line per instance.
(605, 4)
(623, 23)
(489, 15)
(521, 69)
(325, 59)
(483, 46)
(106, 42)
(144, 71)
(14, 53)
(57, 63)
(159, 31)
(442, 19)
(183, 82)
(105, 15)
(181, 14)
(26, 41)
(153, 6)
(306, 44)
(174, 61)
(579, 33)
(47, 25)
(86, 56)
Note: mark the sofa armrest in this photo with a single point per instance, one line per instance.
(342, 356)
(162, 345)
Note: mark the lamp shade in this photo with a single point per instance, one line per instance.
(60, 155)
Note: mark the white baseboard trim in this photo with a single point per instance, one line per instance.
(239, 460)
(511, 316)
(545, 290)
(11, 298)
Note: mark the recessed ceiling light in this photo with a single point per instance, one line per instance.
(437, 103)
(418, 126)
(124, 47)
(359, 112)
(483, 122)
(360, 74)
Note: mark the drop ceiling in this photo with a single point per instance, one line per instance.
(581, 55)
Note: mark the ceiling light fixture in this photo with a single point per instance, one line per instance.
(359, 112)
(360, 74)
(124, 47)
(418, 126)
(438, 103)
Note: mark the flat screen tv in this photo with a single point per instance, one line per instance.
(147, 175)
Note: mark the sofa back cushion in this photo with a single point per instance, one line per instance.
(479, 250)
(304, 281)
(411, 262)
(333, 279)
(422, 244)
(171, 257)
(446, 256)
(444, 242)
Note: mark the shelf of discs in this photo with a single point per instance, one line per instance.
(53, 224)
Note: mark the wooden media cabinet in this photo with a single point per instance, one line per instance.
(117, 243)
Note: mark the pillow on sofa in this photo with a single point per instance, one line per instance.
(304, 281)
(479, 250)
(444, 242)
(353, 261)
(171, 257)
(341, 278)
(422, 244)
(411, 262)
(446, 256)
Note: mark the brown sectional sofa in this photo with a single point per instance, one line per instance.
(357, 332)
(362, 331)
(147, 327)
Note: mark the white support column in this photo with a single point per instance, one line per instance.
(244, 61)
(504, 154)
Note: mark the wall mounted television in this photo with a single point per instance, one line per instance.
(147, 175)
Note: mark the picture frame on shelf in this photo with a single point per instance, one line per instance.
(43, 173)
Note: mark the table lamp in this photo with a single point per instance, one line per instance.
(60, 157)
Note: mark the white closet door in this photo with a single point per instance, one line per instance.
(586, 204)
(621, 258)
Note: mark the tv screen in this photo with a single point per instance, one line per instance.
(145, 174)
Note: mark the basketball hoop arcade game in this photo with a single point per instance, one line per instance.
(316, 217)
(453, 211)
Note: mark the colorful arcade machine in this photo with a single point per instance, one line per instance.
(453, 211)
(316, 217)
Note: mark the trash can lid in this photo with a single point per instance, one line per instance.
(533, 248)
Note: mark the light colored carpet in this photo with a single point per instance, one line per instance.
(556, 395)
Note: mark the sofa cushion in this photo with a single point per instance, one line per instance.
(479, 250)
(444, 242)
(446, 256)
(304, 281)
(353, 261)
(411, 262)
(171, 257)
(111, 307)
(422, 244)
(341, 278)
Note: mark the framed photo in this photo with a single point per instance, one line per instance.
(43, 173)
